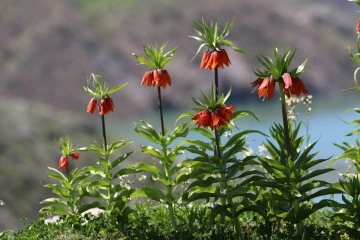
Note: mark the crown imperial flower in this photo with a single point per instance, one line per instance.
(91, 106)
(156, 59)
(100, 95)
(63, 162)
(276, 71)
(75, 155)
(214, 119)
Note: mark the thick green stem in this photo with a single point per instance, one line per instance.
(285, 119)
(166, 168)
(104, 131)
(161, 112)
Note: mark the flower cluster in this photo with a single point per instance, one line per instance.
(292, 86)
(156, 59)
(100, 95)
(215, 59)
(278, 71)
(156, 78)
(106, 105)
(64, 161)
(214, 119)
(67, 150)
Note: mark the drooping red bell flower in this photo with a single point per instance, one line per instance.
(225, 113)
(214, 119)
(91, 106)
(106, 105)
(203, 118)
(63, 162)
(265, 87)
(161, 78)
(148, 79)
(75, 155)
(215, 59)
(357, 27)
(297, 88)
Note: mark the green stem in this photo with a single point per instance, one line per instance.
(104, 131)
(167, 174)
(285, 119)
(161, 112)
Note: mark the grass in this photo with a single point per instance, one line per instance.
(146, 221)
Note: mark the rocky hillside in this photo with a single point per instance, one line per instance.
(49, 48)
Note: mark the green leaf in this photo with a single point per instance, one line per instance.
(120, 159)
(54, 209)
(116, 88)
(151, 192)
(152, 151)
(145, 167)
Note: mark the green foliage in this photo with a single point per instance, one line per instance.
(104, 183)
(220, 172)
(347, 214)
(276, 68)
(147, 222)
(212, 36)
(69, 191)
(98, 90)
(166, 151)
(292, 185)
(156, 57)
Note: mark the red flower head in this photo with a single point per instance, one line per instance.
(226, 113)
(161, 78)
(75, 155)
(148, 79)
(106, 105)
(203, 118)
(63, 162)
(266, 87)
(214, 119)
(287, 80)
(205, 59)
(215, 59)
(297, 88)
(91, 106)
(357, 28)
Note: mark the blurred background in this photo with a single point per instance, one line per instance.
(48, 49)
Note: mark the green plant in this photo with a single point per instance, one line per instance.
(69, 188)
(70, 192)
(292, 186)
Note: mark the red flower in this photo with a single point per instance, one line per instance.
(75, 155)
(91, 106)
(225, 113)
(106, 105)
(224, 57)
(156, 78)
(214, 119)
(297, 88)
(357, 28)
(287, 80)
(266, 87)
(215, 59)
(205, 59)
(148, 79)
(63, 162)
(161, 78)
(203, 118)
